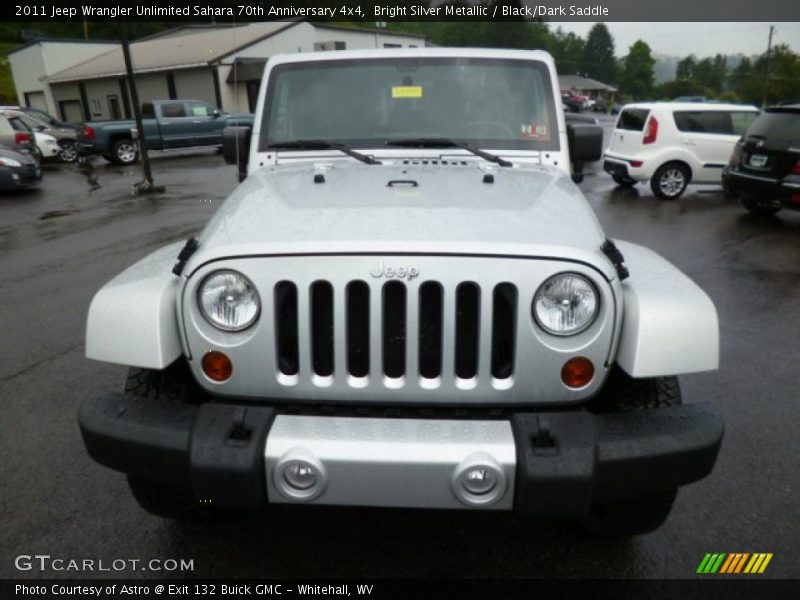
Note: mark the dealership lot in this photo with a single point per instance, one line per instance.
(60, 243)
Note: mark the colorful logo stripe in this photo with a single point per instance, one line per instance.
(734, 563)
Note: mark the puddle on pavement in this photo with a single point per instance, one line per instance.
(53, 214)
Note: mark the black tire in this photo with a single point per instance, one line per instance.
(174, 384)
(68, 151)
(670, 181)
(760, 207)
(633, 516)
(124, 152)
(623, 181)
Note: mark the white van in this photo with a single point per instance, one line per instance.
(674, 143)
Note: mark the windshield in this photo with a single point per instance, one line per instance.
(487, 103)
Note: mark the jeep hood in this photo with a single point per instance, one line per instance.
(527, 211)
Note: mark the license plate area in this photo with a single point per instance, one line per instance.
(758, 161)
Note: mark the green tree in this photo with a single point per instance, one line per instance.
(637, 71)
(568, 52)
(598, 55)
(686, 68)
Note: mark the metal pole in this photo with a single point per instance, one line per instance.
(147, 184)
(766, 67)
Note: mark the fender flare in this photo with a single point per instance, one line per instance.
(669, 325)
(133, 319)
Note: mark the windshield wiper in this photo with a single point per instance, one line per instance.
(446, 143)
(324, 145)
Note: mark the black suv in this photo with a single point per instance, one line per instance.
(764, 169)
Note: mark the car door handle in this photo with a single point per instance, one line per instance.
(198, 121)
(689, 143)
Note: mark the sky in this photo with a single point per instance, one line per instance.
(700, 39)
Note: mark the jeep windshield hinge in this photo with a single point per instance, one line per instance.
(610, 249)
(186, 252)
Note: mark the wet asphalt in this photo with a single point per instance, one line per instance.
(59, 244)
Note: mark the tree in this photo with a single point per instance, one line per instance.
(686, 68)
(637, 71)
(568, 52)
(598, 55)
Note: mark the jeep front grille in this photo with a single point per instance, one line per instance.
(351, 329)
(398, 334)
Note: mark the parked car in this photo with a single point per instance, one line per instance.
(46, 145)
(65, 135)
(603, 105)
(18, 170)
(571, 101)
(42, 116)
(674, 143)
(168, 124)
(764, 169)
(15, 135)
(406, 303)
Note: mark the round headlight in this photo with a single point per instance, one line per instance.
(565, 304)
(229, 301)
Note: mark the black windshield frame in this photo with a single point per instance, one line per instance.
(523, 144)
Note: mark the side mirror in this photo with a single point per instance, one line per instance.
(585, 145)
(236, 147)
(216, 113)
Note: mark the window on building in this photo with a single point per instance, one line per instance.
(322, 46)
(393, 45)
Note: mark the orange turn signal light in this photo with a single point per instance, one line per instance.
(217, 366)
(577, 372)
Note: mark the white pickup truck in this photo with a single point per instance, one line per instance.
(407, 302)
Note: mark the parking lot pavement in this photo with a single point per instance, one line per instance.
(59, 244)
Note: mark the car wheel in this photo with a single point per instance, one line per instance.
(759, 206)
(670, 181)
(634, 516)
(124, 152)
(173, 385)
(623, 181)
(68, 152)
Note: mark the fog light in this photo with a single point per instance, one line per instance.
(217, 366)
(479, 480)
(300, 475)
(577, 372)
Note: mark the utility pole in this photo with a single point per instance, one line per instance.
(766, 67)
(146, 185)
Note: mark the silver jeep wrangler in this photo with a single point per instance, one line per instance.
(407, 303)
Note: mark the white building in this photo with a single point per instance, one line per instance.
(220, 64)
(39, 59)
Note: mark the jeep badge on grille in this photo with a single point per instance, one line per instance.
(382, 270)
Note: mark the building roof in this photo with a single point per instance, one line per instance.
(187, 47)
(577, 82)
(46, 40)
(167, 52)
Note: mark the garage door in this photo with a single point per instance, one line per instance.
(36, 100)
(71, 111)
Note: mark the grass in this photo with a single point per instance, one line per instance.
(7, 93)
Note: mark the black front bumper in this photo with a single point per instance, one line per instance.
(565, 460)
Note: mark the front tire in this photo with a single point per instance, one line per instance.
(670, 181)
(124, 152)
(633, 516)
(68, 152)
(173, 385)
(760, 207)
